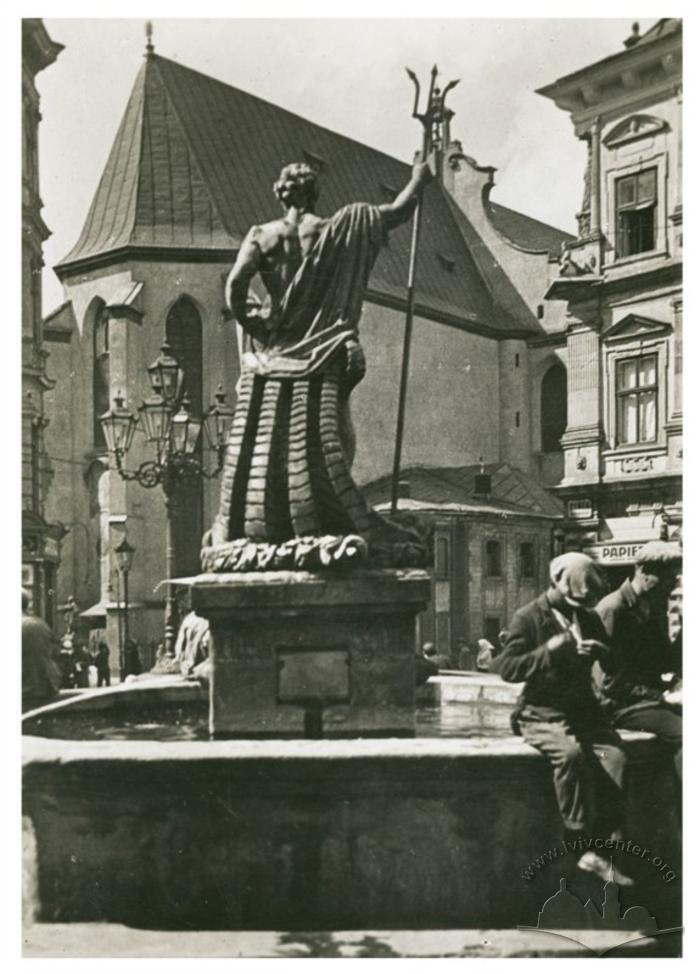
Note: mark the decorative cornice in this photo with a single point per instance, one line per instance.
(641, 276)
(574, 288)
(555, 339)
(183, 255)
(636, 126)
(590, 86)
(582, 435)
(588, 286)
(635, 326)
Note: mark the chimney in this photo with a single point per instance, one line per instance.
(634, 36)
(482, 482)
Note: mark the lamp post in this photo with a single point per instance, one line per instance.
(69, 608)
(174, 433)
(125, 556)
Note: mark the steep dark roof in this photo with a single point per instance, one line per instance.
(192, 167)
(60, 324)
(526, 232)
(512, 491)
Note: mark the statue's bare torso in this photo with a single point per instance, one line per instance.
(282, 245)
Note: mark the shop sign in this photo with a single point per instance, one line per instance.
(611, 553)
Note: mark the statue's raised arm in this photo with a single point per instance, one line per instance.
(399, 210)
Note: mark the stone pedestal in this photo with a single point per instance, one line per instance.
(301, 654)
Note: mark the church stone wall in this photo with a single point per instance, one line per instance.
(452, 407)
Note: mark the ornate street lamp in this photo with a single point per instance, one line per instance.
(217, 421)
(167, 422)
(166, 375)
(125, 556)
(119, 426)
(185, 430)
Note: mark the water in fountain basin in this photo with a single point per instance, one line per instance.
(190, 722)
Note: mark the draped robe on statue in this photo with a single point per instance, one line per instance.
(287, 497)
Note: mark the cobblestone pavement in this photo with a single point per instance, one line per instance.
(114, 940)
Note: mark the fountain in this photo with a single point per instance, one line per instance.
(134, 815)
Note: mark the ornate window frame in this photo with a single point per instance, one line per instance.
(656, 159)
(633, 337)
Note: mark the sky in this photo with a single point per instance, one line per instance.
(347, 75)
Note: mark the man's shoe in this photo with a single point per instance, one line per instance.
(591, 862)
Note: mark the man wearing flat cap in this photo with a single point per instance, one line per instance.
(638, 682)
(551, 646)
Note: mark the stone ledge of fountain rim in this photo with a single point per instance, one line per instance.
(294, 835)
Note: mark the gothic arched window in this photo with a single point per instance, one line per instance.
(100, 374)
(553, 408)
(183, 329)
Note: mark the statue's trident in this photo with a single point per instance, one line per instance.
(433, 116)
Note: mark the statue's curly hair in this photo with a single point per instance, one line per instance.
(297, 175)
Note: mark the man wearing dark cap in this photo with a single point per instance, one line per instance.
(550, 646)
(638, 682)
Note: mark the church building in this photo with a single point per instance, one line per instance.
(190, 170)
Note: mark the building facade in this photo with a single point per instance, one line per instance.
(621, 279)
(41, 538)
(190, 170)
(491, 527)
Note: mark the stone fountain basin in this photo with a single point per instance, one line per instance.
(418, 833)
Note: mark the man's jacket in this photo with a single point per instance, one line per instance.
(41, 676)
(641, 652)
(557, 684)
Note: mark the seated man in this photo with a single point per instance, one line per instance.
(638, 681)
(192, 645)
(426, 665)
(550, 646)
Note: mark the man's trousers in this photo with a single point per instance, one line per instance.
(588, 764)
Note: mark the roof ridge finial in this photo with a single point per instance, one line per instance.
(149, 38)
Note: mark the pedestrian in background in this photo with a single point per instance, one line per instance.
(102, 664)
(41, 675)
(425, 665)
(466, 656)
(132, 658)
(82, 663)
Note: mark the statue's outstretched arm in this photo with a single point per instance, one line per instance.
(400, 209)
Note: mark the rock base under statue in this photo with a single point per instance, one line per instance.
(305, 654)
